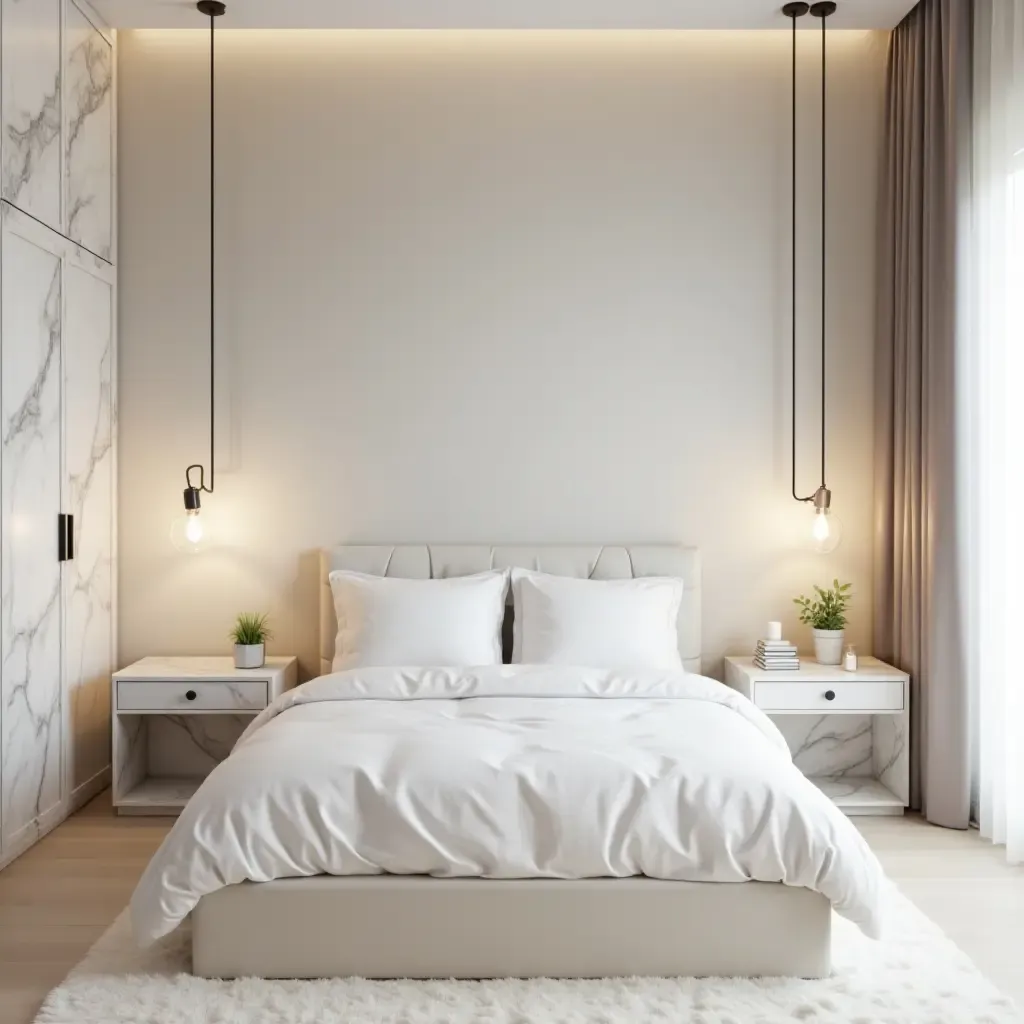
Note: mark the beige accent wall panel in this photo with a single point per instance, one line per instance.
(521, 288)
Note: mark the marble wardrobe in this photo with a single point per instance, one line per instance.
(57, 410)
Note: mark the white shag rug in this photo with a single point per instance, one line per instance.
(914, 976)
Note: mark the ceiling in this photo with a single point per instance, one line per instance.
(497, 14)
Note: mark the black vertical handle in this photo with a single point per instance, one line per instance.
(65, 537)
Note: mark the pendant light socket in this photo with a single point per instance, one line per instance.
(823, 8)
(822, 499)
(214, 8)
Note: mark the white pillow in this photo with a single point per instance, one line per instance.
(561, 620)
(391, 621)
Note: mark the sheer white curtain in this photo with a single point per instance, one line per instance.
(994, 349)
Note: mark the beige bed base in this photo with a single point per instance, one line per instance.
(388, 926)
(413, 927)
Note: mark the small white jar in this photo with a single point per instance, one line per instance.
(850, 659)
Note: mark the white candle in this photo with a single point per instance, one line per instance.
(774, 631)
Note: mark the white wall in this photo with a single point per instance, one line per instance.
(509, 287)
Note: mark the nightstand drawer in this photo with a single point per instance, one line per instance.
(812, 696)
(189, 695)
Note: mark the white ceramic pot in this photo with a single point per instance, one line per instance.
(828, 646)
(248, 655)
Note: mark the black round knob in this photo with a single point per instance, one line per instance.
(830, 695)
(191, 695)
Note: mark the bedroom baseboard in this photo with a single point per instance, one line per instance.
(84, 792)
(31, 833)
(28, 836)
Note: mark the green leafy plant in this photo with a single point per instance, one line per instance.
(251, 628)
(828, 609)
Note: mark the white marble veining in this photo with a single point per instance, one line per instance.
(869, 670)
(129, 753)
(860, 795)
(171, 668)
(30, 645)
(88, 91)
(891, 753)
(190, 696)
(164, 743)
(164, 791)
(30, 145)
(239, 696)
(57, 413)
(830, 746)
(859, 758)
(191, 744)
(88, 461)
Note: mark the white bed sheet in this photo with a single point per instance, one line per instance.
(509, 772)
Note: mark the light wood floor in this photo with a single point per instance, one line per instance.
(58, 898)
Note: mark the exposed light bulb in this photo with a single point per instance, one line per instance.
(187, 531)
(193, 527)
(820, 530)
(826, 526)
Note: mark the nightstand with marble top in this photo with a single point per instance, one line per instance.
(175, 718)
(849, 732)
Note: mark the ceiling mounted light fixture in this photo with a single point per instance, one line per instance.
(826, 528)
(187, 532)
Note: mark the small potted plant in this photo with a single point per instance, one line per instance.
(826, 615)
(250, 634)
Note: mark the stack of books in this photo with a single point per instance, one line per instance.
(776, 656)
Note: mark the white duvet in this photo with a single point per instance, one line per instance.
(510, 771)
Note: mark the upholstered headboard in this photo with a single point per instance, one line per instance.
(429, 561)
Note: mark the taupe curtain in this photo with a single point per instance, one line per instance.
(920, 511)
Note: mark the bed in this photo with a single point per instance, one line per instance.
(404, 922)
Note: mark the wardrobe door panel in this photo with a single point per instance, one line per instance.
(89, 79)
(88, 461)
(30, 576)
(30, 90)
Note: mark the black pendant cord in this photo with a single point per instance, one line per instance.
(824, 79)
(794, 11)
(822, 9)
(213, 235)
(214, 10)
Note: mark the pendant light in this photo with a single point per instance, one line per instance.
(826, 529)
(187, 532)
